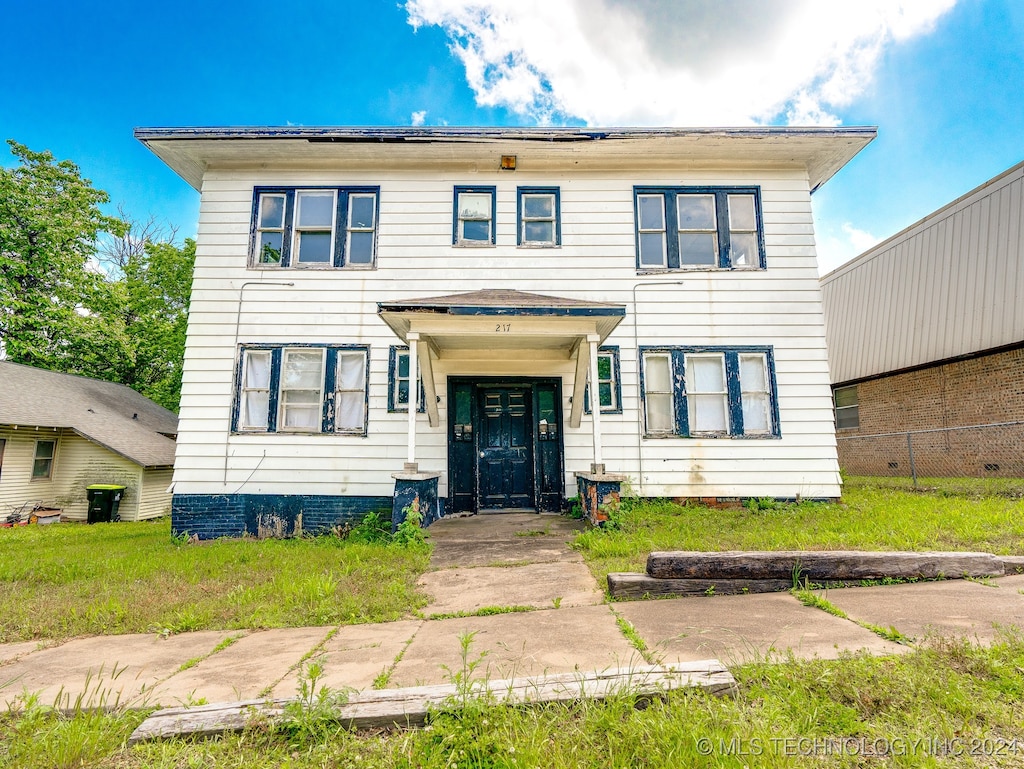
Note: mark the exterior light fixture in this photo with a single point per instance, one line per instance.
(508, 162)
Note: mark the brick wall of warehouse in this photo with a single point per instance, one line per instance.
(983, 390)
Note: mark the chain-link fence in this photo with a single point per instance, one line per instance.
(974, 459)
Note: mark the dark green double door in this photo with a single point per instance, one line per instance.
(504, 445)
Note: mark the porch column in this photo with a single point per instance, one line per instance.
(595, 401)
(413, 339)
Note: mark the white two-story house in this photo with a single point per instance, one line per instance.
(642, 303)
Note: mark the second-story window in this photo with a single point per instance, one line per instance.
(314, 227)
(710, 228)
(538, 216)
(474, 216)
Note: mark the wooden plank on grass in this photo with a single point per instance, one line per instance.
(411, 706)
(624, 585)
(821, 565)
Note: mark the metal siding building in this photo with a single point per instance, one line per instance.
(945, 287)
(926, 342)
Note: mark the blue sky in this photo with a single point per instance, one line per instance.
(942, 79)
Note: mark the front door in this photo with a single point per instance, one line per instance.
(505, 443)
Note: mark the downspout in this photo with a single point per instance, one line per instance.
(639, 362)
(238, 318)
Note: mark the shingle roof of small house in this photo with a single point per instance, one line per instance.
(111, 415)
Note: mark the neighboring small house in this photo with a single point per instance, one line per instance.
(60, 433)
(926, 333)
(583, 305)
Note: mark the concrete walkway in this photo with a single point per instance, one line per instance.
(487, 563)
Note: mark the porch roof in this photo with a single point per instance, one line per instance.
(466, 320)
(493, 322)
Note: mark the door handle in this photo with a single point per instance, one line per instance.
(481, 455)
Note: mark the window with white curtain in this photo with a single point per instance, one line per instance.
(302, 389)
(350, 392)
(710, 392)
(255, 390)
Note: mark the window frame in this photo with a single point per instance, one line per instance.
(612, 352)
(395, 352)
(555, 218)
(51, 460)
(457, 239)
(853, 408)
(734, 390)
(275, 405)
(290, 230)
(671, 232)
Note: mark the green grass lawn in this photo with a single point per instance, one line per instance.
(949, 703)
(72, 579)
(867, 518)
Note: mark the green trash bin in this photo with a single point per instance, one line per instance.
(104, 499)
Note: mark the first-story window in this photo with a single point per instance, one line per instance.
(399, 390)
(254, 395)
(42, 463)
(350, 392)
(609, 388)
(302, 390)
(710, 392)
(305, 389)
(847, 407)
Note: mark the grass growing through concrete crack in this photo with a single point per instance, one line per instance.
(809, 598)
(950, 703)
(72, 580)
(868, 518)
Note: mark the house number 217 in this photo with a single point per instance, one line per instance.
(502, 328)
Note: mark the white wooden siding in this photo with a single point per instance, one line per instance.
(780, 307)
(949, 285)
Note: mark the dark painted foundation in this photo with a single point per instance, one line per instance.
(208, 516)
(418, 488)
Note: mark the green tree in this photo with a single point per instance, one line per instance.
(50, 281)
(145, 312)
(86, 293)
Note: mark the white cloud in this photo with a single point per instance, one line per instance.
(673, 62)
(419, 117)
(859, 239)
(837, 248)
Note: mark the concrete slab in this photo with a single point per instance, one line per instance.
(243, 670)
(13, 651)
(509, 538)
(954, 607)
(745, 628)
(539, 584)
(521, 644)
(125, 667)
(357, 655)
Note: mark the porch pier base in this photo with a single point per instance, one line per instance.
(414, 487)
(599, 493)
